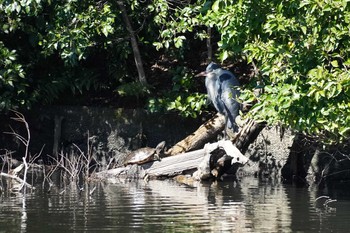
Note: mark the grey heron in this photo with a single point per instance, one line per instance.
(222, 91)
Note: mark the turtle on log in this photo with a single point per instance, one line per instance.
(144, 155)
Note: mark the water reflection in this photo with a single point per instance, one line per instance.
(166, 206)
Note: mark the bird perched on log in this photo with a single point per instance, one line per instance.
(222, 91)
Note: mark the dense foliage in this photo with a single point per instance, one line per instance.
(300, 48)
(49, 48)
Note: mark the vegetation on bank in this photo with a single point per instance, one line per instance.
(299, 51)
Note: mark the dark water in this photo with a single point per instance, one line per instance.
(166, 206)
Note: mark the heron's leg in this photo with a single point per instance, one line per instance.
(225, 128)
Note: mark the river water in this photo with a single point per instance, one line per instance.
(167, 206)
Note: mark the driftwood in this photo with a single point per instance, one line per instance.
(198, 163)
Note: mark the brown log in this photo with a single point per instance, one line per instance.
(205, 133)
(249, 130)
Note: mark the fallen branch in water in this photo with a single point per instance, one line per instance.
(19, 180)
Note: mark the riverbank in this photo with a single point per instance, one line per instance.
(107, 135)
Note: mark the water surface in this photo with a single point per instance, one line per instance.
(166, 206)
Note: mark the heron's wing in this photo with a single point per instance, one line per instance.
(227, 76)
(218, 101)
(212, 86)
(228, 93)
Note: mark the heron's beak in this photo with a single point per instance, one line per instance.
(201, 74)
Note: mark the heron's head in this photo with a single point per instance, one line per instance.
(210, 68)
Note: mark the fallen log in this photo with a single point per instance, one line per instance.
(201, 164)
(204, 134)
(248, 131)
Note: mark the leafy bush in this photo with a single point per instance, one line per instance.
(48, 48)
(301, 49)
(12, 78)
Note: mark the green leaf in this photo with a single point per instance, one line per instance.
(303, 29)
(335, 63)
(215, 7)
(224, 55)
(345, 131)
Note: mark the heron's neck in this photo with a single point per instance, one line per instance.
(211, 77)
(210, 83)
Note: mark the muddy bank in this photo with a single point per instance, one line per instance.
(110, 134)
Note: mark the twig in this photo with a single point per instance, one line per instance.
(329, 201)
(321, 197)
(92, 191)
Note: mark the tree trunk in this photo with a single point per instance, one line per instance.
(57, 135)
(209, 46)
(134, 45)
